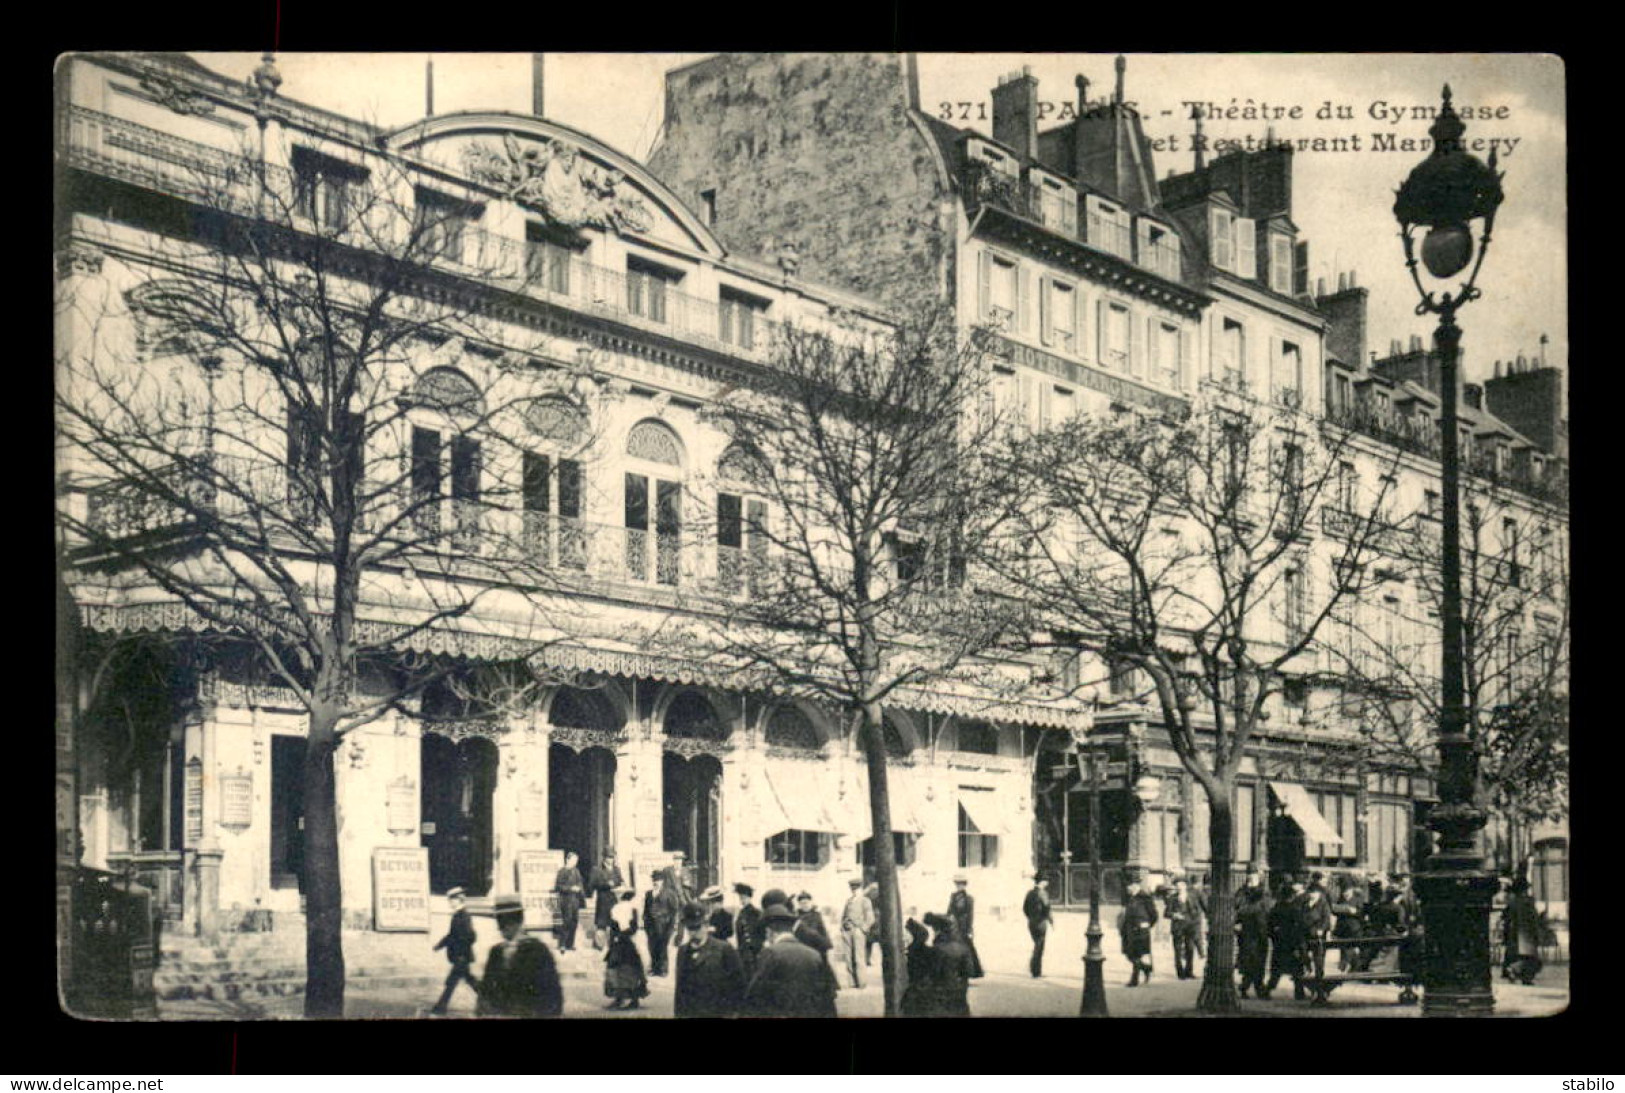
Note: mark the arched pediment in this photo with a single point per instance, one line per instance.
(447, 390)
(568, 177)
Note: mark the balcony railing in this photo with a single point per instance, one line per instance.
(148, 157)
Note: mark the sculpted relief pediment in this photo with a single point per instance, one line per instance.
(555, 179)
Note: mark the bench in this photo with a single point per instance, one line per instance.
(1385, 968)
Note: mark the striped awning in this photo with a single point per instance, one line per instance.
(1298, 805)
(794, 800)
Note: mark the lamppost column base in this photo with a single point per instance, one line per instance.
(1455, 918)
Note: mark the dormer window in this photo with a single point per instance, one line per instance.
(1108, 227)
(1159, 249)
(1233, 243)
(1057, 206)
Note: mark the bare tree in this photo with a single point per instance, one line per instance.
(1180, 550)
(258, 406)
(1515, 593)
(864, 488)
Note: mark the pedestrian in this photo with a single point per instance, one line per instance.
(1286, 922)
(1347, 922)
(1139, 916)
(520, 978)
(1186, 917)
(1040, 920)
(624, 981)
(954, 968)
(459, 946)
(1525, 929)
(792, 979)
(660, 914)
(1501, 953)
(1317, 926)
(873, 938)
(572, 894)
(605, 880)
(710, 976)
(919, 997)
(1386, 919)
(962, 909)
(1252, 935)
(748, 928)
(857, 919)
(810, 928)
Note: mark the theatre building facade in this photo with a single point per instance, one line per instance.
(621, 316)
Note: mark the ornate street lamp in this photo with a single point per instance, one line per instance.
(1448, 193)
(1094, 959)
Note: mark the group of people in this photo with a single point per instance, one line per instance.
(1184, 907)
(1276, 935)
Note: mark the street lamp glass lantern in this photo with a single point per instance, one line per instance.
(1446, 194)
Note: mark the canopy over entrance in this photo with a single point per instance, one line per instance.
(1303, 811)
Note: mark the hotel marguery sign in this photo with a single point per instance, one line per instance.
(1117, 387)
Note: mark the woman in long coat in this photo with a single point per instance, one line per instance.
(624, 980)
(1252, 938)
(962, 909)
(1139, 915)
(952, 974)
(919, 998)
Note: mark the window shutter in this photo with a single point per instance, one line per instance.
(984, 284)
(1246, 248)
(1220, 229)
(1142, 234)
(1024, 298)
(1078, 310)
(1187, 348)
(1102, 321)
(1045, 305)
(1300, 268)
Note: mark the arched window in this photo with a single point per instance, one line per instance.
(742, 535)
(553, 484)
(455, 401)
(169, 318)
(691, 715)
(654, 499)
(652, 441)
(788, 727)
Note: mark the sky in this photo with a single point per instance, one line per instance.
(1342, 199)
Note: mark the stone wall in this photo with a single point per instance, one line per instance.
(818, 151)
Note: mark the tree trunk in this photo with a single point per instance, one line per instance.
(1218, 994)
(324, 914)
(890, 910)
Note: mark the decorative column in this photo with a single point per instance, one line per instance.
(209, 853)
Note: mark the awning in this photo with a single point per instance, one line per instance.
(794, 802)
(984, 813)
(905, 810)
(1303, 811)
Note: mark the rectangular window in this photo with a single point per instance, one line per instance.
(738, 317)
(1058, 207)
(304, 459)
(1430, 504)
(441, 224)
(1348, 486)
(1289, 369)
(426, 479)
(797, 850)
(1167, 354)
(1001, 289)
(977, 850)
(1114, 336)
(1060, 317)
(326, 190)
(1281, 263)
(647, 286)
(465, 468)
(1109, 228)
(1296, 605)
(708, 205)
(1159, 250)
(1232, 353)
(1222, 231)
(1292, 507)
(547, 260)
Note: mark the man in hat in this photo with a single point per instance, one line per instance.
(1139, 916)
(748, 928)
(660, 913)
(459, 946)
(857, 919)
(572, 893)
(962, 909)
(872, 893)
(710, 903)
(1288, 939)
(1187, 914)
(810, 928)
(710, 976)
(792, 979)
(520, 977)
(1040, 920)
(605, 879)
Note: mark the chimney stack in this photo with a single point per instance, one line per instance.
(536, 84)
(1015, 112)
(1122, 67)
